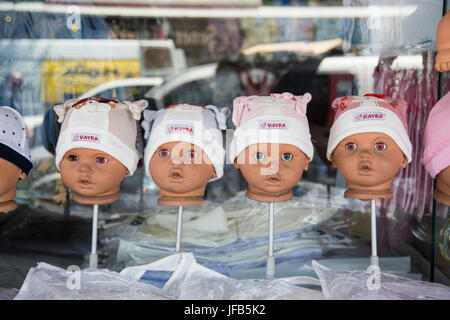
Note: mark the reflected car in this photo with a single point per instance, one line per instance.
(192, 85)
(130, 89)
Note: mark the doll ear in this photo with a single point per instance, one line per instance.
(149, 116)
(214, 174)
(239, 104)
(333, 163)
(404, 162)
(307, 164)
(61, 109)
(136, 107)
(236, 164)
(22, 175)
(221, 115)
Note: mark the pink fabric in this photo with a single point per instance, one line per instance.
(436, 156)
(398, 106)
(247, 108)
(413, 186)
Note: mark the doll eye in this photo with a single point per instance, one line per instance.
(351, 146)
(101, 160)
(380, 146)
(286, 156)
(192, 154)
(164, 153)
(259, 155)
(72, 157)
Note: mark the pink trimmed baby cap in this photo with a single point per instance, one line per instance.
(278, 118)
(436, 156)
(371, 113)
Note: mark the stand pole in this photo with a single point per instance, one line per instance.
(179, 225)
(270, 270)
(373, 226)
(93, 258)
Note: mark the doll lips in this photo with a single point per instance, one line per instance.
(273, 181)
(365, 168)
(85, 183)
(175, 176)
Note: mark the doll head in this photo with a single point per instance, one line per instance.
(15, 157)
(436, 156)
(443, 44)
(184, 151)
(369, 143)
(96, 147)
(271, 145)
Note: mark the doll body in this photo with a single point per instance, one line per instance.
(437, 134)
(182, 171)
(436, 155)
(443, 44)
(271, 170)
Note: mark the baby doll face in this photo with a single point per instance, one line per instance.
(181, 169)
(271, 170)
(91, 173)
(368, 160)
(10, 175)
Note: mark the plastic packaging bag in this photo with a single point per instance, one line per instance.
(358, 285)
(188, 280)
(47, 282)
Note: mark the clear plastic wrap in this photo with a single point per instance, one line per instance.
(353, 285)
(47, 282)
(191, 281)
(177, 276)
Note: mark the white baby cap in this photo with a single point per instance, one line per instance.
(188, 123)
(13, 139)
(101, 124)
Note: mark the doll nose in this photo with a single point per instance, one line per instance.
(364, 154)
(270, 167)
(176, 159)
(85, 168)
